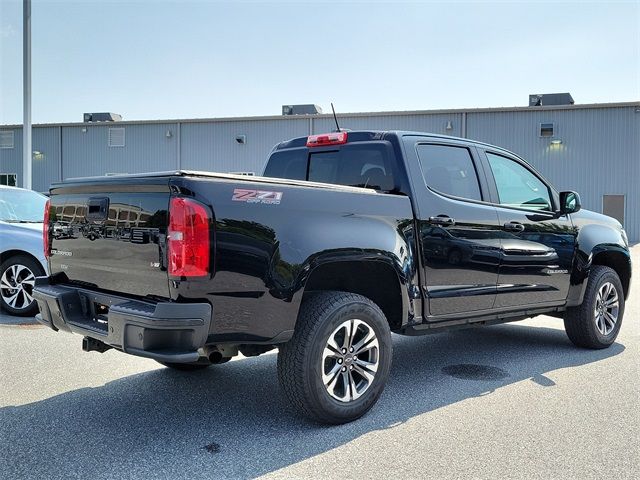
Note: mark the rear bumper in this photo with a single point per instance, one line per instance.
(165, 331)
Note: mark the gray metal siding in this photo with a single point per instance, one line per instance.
(212, 146)
(146, 149)
(11, 158)
(434, 123)
(599, 154)
(46, 170)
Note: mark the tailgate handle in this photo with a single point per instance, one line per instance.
(97, 209)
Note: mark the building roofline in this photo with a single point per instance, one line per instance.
(341, 115)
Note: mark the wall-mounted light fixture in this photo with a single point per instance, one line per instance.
(241, 139)
(84, 129)
(449, 125)
(556, 141)
(168, 134)
(37, 155)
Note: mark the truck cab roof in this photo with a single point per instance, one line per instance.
(354, 136)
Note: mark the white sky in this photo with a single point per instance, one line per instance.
(184, 59)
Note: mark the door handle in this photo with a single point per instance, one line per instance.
(442, 220)
(514, 227)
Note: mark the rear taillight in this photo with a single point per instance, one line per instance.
(45, 230)
(189, 239)
(336, 138)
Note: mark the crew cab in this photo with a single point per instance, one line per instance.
(347, 237)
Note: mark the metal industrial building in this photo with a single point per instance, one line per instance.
(593, 149)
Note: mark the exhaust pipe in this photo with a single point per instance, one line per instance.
(215, 356)
(220, 353)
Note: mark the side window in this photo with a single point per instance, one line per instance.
(517, 186)
(449, 170)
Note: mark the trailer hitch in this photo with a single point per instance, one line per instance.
(92, 345)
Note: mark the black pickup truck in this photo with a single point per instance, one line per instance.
(349, 236)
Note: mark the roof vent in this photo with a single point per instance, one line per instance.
(307, 109)
(101, 117)
(547, 99)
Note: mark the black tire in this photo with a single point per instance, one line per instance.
(5, 269)
(300, 361)
(580, 322)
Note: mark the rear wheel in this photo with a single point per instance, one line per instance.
(596, 322)
(17, 279)
(335, 367)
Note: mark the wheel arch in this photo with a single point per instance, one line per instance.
(376, 280)
(619, 262)
(613, 255)
(7, 254)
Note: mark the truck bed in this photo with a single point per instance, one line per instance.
(109, 235)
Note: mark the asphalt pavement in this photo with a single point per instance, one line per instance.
(508, 401)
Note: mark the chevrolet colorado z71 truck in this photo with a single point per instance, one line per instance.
(348, 237)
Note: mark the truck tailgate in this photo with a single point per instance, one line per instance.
(111, 236)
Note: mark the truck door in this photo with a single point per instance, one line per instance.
(459, 231)
(538, 244)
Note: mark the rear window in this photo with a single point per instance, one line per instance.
(358, 165)
(290, 164)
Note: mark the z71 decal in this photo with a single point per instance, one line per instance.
(256, 196)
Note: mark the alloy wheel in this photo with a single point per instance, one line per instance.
(350, 360)
(607, 308)
(16, 286)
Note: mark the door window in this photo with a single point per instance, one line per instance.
(517, 186)
(449, 170)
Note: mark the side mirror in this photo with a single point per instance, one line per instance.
(569, 202)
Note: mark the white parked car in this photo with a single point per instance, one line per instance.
(21, 249)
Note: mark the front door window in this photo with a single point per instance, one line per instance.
(517, 186)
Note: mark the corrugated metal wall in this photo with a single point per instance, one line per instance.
(213, 146)
(46, 165)
(599, 153)
(433, 123)
(11, 158)
(86, 150)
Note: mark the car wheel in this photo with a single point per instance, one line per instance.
(596, 322)
(17, 279)
(336, 365)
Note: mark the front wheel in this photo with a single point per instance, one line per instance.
(335, 367)
(596, 322)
